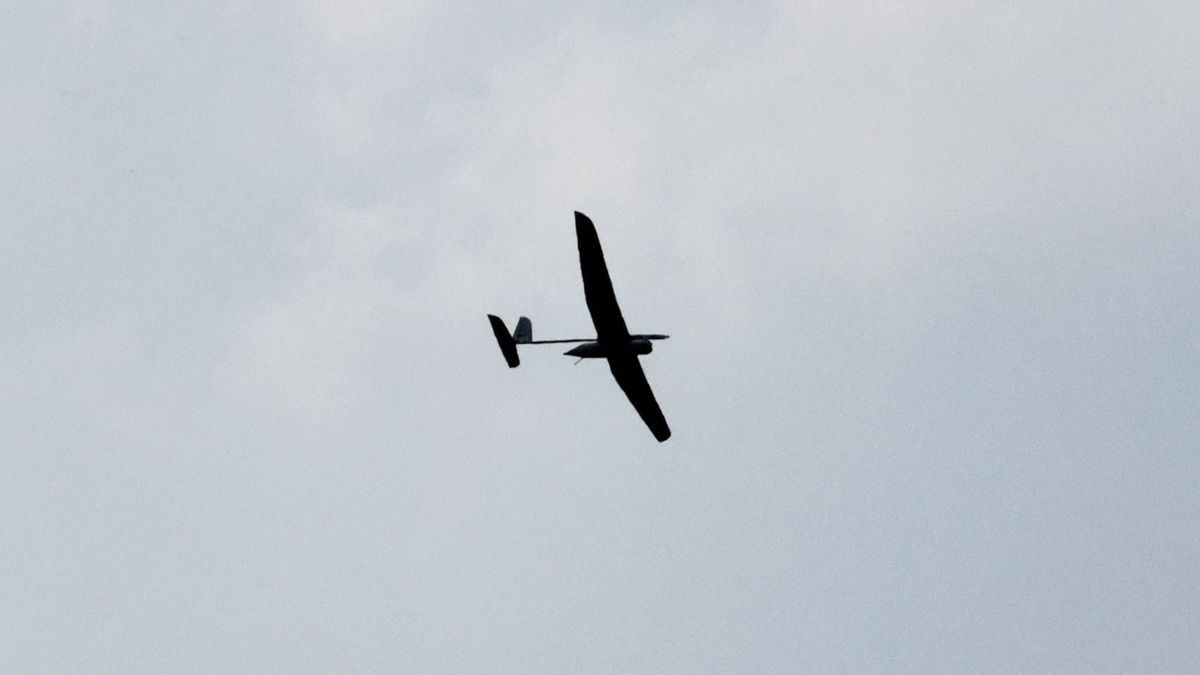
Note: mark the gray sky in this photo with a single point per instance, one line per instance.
(930, 270)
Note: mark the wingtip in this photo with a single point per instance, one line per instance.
(585, 229)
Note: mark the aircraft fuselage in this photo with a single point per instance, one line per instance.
(636, 344)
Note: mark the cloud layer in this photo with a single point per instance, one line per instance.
(929, 271)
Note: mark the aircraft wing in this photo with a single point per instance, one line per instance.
(598, 290)
(628, 373)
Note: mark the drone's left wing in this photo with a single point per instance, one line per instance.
(597, 286)
(628, 373)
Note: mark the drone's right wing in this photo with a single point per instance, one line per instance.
(628, 373)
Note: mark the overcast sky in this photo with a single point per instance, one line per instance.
(930, 270)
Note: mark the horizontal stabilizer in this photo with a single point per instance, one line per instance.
(508, 346)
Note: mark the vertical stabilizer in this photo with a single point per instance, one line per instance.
(524, 332)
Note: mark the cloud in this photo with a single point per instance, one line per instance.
(927, 271)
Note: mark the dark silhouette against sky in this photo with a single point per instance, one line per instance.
(613, 340)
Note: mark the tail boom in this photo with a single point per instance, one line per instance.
(523, 335)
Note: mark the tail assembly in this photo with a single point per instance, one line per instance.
(508, 343)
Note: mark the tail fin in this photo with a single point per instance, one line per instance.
(524, 332)
(508, 346)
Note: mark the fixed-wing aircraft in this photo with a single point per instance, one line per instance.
(613, 340)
